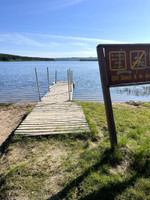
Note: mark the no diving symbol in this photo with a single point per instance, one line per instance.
(137, 59)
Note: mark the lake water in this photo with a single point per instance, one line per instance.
(18, 82)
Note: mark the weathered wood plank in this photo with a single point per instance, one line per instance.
(54, 115)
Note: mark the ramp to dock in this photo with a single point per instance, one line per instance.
(55, 114)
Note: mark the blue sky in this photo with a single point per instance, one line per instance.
(70, 28)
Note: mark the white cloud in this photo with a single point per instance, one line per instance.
(47, 40)
(19, 39)
(80, 44)
(23, 39)
(67, 3)
(38, 6)
(86, 39)
(60, 4)
(54, 44)
(48, 5)
(46, 45)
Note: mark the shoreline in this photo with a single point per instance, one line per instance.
(12, 114)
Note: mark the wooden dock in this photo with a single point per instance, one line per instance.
(55, 114)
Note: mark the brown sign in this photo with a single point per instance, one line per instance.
(127, 64)
(124, 64)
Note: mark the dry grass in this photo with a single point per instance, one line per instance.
(41, 162)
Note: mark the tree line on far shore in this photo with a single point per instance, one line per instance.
(11, 58)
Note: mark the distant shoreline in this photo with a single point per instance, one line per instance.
(16, 58)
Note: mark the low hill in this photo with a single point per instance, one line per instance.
(77, 59)
(12, 58)
(8, 57)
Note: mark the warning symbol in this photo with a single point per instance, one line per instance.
(117, 60)
(137, 59)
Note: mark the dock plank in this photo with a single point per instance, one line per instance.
(55, 114)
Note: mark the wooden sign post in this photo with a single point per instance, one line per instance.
(107, 99)
(121, 65)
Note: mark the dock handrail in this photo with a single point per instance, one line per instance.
(70, 83)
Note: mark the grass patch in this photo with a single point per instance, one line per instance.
(5, 104)
(82, 166)
(30, 109)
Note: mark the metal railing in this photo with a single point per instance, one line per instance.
(69, 80)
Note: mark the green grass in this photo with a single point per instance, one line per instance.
(30, 109)
(82, 166)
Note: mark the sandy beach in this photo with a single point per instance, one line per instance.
(10, 117)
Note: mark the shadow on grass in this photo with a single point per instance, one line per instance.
(111, 189)
(107, 192)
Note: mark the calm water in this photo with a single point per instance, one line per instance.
(18, 82)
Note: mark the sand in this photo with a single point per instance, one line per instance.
(10, 117)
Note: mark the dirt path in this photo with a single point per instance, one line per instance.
(10, 116)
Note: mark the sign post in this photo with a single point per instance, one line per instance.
(107, 99)
(121, 65)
